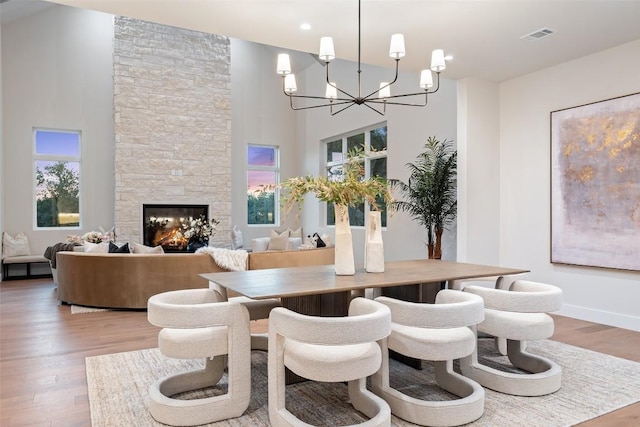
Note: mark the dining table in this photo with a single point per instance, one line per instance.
(317, 290)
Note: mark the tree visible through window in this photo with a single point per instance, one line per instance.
(57, 178)
(374, 142)
(263, 175)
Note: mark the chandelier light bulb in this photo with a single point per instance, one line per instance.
(396, 49)
(327, 53)
(437, 61)
(426, 79)
(385, 90)
(290, 83)
(284, 64)
(331, 92)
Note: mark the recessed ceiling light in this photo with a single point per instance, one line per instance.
(448, 57)
(305, 26)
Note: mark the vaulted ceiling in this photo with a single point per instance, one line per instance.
(484, 37)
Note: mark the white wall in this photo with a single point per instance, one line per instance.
(408, 129)
(478, 172)
(57, 69)
(600, 295)
(260, 114)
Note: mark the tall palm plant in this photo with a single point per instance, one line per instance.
(430, 194)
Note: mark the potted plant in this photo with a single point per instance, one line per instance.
(348, 188)
(430, 194)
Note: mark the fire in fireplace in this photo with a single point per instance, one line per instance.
(162, 223)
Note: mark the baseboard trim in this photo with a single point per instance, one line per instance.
(599, 316)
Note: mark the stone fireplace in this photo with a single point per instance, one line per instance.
(172, 125)
(161, 224)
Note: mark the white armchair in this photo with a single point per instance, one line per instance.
(328, 349)
(435, 332)
(197, 325)
(518, 315)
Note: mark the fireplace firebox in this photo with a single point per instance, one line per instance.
(162, 224)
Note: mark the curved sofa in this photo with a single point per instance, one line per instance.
(128, 280)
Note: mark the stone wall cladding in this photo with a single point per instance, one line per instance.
(172, 113)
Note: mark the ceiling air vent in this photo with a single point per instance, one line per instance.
(538, 34)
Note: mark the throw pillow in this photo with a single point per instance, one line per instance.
(296, 233)
(279, 241)
(275, 233)
(15, 246)
(96, 248)
(115, 249)
(142, 249)
(236, 238)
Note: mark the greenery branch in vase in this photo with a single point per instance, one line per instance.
(349, 188)
(430, 194)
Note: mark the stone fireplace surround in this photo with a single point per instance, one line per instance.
(172, 123)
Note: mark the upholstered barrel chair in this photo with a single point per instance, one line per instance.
(196, 324)
(440, 333)
(328, 349)
(517, 315)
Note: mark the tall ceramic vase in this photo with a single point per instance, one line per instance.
(344, 263)
(374, 248)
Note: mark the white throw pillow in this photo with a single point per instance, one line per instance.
(142, 249)
(236, 238)
(15, 246)
(96, 248)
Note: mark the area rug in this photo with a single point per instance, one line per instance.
(79, 309)
(592, 384)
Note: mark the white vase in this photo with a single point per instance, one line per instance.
(344, 263)
(374, 248)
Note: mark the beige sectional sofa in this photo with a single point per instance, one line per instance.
(128, 280)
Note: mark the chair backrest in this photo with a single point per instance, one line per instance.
(523, 296)
(452, 309)
(197, 308)
(367, 321)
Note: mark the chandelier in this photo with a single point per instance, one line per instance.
(376, 100)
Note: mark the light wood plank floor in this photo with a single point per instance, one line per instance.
(43, 347)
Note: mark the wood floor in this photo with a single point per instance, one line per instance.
(43, 347)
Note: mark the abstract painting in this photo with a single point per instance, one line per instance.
(595, 184)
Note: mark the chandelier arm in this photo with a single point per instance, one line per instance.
(366, 98)
(351, 97)
(351, 104)
(408, 104)
(318, 97)
(366, 104)
(318, 106)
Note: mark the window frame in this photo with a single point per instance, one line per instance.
(36, 157)
(368, 157)
(276, 169)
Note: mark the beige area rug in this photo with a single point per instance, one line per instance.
(592, 384)
(78, 309)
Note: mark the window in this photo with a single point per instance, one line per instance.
(373, 141)
(263, 174)
(57, 178)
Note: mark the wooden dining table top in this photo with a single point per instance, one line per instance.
(322, 279)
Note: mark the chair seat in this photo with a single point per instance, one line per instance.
(517, 326)
(431, 344)
(193, 343)
(332, 363)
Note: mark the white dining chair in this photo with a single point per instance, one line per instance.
(439, 333)
(328, 349)
(517, 315)
(196, 324)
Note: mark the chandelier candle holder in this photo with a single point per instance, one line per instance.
(376, 100)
